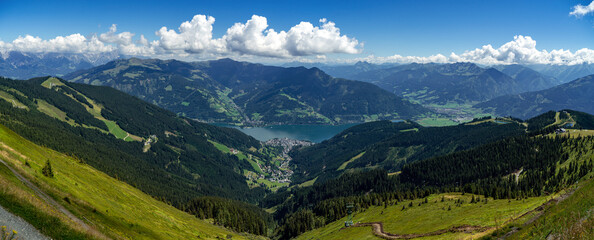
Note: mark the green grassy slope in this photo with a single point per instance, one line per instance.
(429, 217)
(91, 106)
(565, 214)
(113, 207)
(571, 218)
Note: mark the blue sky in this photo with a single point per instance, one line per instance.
(381, 28)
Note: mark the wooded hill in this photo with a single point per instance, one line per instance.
(391, 145)
(240, 92)
(543, 165)
(169, 157)
(485, 168)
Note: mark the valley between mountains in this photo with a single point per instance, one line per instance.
(297, 120)
(126, 150)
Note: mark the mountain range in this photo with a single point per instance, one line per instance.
(454, 83)
(560, 73)
(577, 94)
(564, 73)
(240, 92)
(25, 65)
(344, 70)
(97, 138)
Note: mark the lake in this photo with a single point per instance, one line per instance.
(314, 133)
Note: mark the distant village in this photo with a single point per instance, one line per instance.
(283, 173)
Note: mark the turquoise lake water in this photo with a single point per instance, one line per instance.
(314, 133)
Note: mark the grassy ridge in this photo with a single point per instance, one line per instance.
(44, 220)
(113, 207)
(428, 217)
(96, 109)
(572, 218)
(239, 155)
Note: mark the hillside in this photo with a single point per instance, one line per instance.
(109, 130)
(173, 159)
(349, 71)
(239, 92)
(391, 145)
(443, 83)
(110, 208)
(522, 170)
(461, 213)
(564, 73)
(525, 76)
(576, 95)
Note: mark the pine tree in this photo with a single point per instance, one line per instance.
(47, 170)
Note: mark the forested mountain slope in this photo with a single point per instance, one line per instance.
(391, 145)
(173, 159)
(564, 73)
(443, 83)
(150, 148)
(239, 92)
(98, 206)
(532, 80)
(524, 168)
(575, 95)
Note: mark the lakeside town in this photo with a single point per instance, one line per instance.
(282, 174)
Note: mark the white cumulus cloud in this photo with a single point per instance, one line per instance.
(124, 38)
(581, 10)
(522, 50)
(254, 40)
(195, 38)
(75, 43)
(305, 39)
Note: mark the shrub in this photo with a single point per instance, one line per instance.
(47, 170)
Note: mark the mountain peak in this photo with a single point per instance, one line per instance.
(362, 63)
(225, 60)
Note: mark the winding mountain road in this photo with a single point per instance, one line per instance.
(378, 227)
(378, 230)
